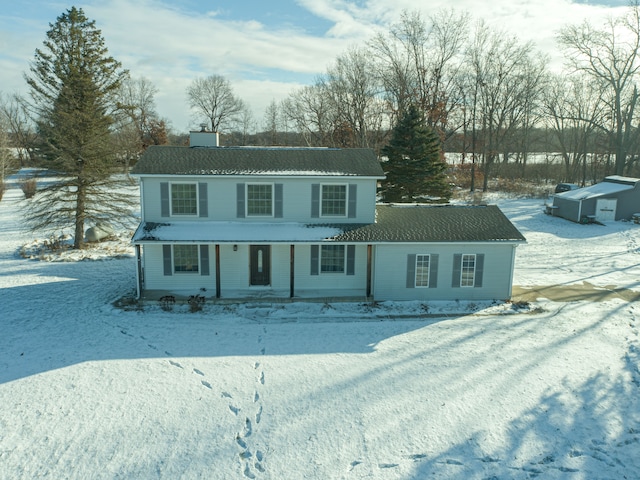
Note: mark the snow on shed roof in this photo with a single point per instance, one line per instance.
(598, 190)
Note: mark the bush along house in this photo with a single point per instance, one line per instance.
(295, 223)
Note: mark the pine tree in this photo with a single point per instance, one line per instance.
(414, 167)
(72, 86)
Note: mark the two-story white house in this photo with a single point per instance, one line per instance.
(272, 222)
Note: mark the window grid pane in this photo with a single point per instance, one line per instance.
(468, 272)
(259, 200)
(185, 258)
(184, 199)
(332, 259)
(334, 200)
(422, 270)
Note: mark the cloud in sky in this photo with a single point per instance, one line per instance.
(265, 49)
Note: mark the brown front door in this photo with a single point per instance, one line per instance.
(260, 264)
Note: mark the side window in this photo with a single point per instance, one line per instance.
(184, 199)
(468, 270)
(185, 259)
(333, 201)
(422, 270)
(259, 200)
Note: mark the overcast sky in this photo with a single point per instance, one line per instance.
(264, 48)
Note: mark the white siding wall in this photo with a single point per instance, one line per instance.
(390, 275)
(222, 196)
(178, 283)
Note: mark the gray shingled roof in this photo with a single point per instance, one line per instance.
(410, 224)
(441, 223)
(167, 160)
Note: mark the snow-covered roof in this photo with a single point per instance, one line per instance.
(394, 223)
(598, 190)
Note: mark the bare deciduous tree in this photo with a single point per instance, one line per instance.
(212, 98)
(610, 55)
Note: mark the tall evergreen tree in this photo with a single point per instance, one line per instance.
(414, 166)
(72, 86)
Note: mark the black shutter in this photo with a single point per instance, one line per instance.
(277, 200)
(433, 271)
(203, 199)
(457, 270)
(240, 200)
(411, 270)
(353, 197)
(351, 259)
(479, 270)
(164, 199)
(315, 258)
(315, 200)
(166, 259)
(204, 259)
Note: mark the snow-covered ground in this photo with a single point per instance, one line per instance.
(318, 391)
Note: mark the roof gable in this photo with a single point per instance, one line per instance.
(169, 160)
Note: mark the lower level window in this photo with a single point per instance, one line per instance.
(332, 259)
(468, 271)
(422, 270)
(185, 259)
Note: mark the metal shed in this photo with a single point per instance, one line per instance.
(615, 198)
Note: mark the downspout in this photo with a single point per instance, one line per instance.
(579, 210)
(217, 271)
(138, 272)
(513, 266)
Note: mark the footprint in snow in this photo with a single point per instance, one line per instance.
(241, 443)
(226, 395)
(199, 372)
(175, 364)
(206, 384)
(234, 410)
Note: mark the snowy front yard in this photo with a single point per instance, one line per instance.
(341, 391)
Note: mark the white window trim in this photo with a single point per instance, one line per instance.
(346, 199)
(344, 260)
(246, 200)
(415, 276)
(173, 260)
(475, 265)
(184, 215)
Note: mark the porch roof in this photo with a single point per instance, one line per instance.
(394, 224)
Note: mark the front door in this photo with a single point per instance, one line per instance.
(260, 264)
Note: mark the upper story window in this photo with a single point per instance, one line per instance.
(334, 201)
(259, 200)
(468, 270)
(422, 270)
(184, 199)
